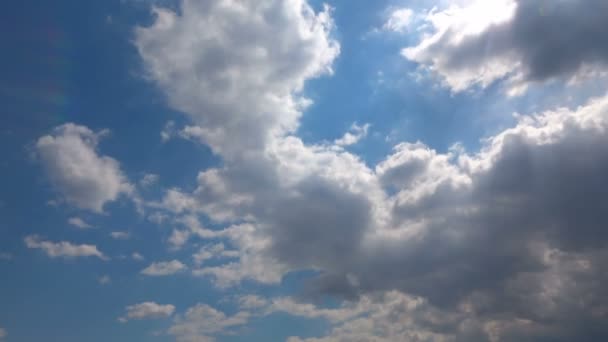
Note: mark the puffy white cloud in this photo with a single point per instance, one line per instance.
(63, 249)
(236, 67)
(147, 310)
(478, 42)
(201, 323)
(398, 20)
(163, 268)
(79, 223)
(83, 177)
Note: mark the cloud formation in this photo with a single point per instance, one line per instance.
(79, 223)
(238, 79)
(201, 322)
(504, 244)
(163, 268)
(82, 177)
(147, 310)
(479, 42)
(63, 248)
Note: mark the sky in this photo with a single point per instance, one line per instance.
(304, 171)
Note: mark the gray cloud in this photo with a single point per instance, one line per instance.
(543, 40)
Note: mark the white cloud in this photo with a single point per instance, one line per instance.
(79, 223)
(164, 268)
(149, 179)
(353, 136)
(120, 235)
(136, 256)
(215, 251)
(147, 310)
(201, 322)
(83, 177)
(178, 238)
(399, 20)
(168, 131)
(63, 249)
(238, 79)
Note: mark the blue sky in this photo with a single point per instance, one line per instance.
(293, 170)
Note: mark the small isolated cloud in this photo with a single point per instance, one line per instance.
(3, 333)
(136, 256)
(149, 179)
(147, 310)
(157, 269)
(104, 280)
(120, 235)
(79, 223)
(354, 135)
(63, 248)
(398, 20)
(84, 178)
(168, 132)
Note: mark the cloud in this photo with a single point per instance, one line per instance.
(83, 177)
(3, 333)
(63, 249)
(147, 310)
(104, 280)
(163, 268)
(353, 136)
(399, 20)
(148, 180)
(136, 256)
(120, 235)
(6, 256)
(201, 322)
(216, 251)
(239, 81)
(79, 223)
(502, 244)
(523, 42)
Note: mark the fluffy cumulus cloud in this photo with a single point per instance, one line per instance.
(163, 268)
(202, 322)
(504, 244)
(84, 178)
(147, 310)
(235, 67)
(63, 249)
(476, 42)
